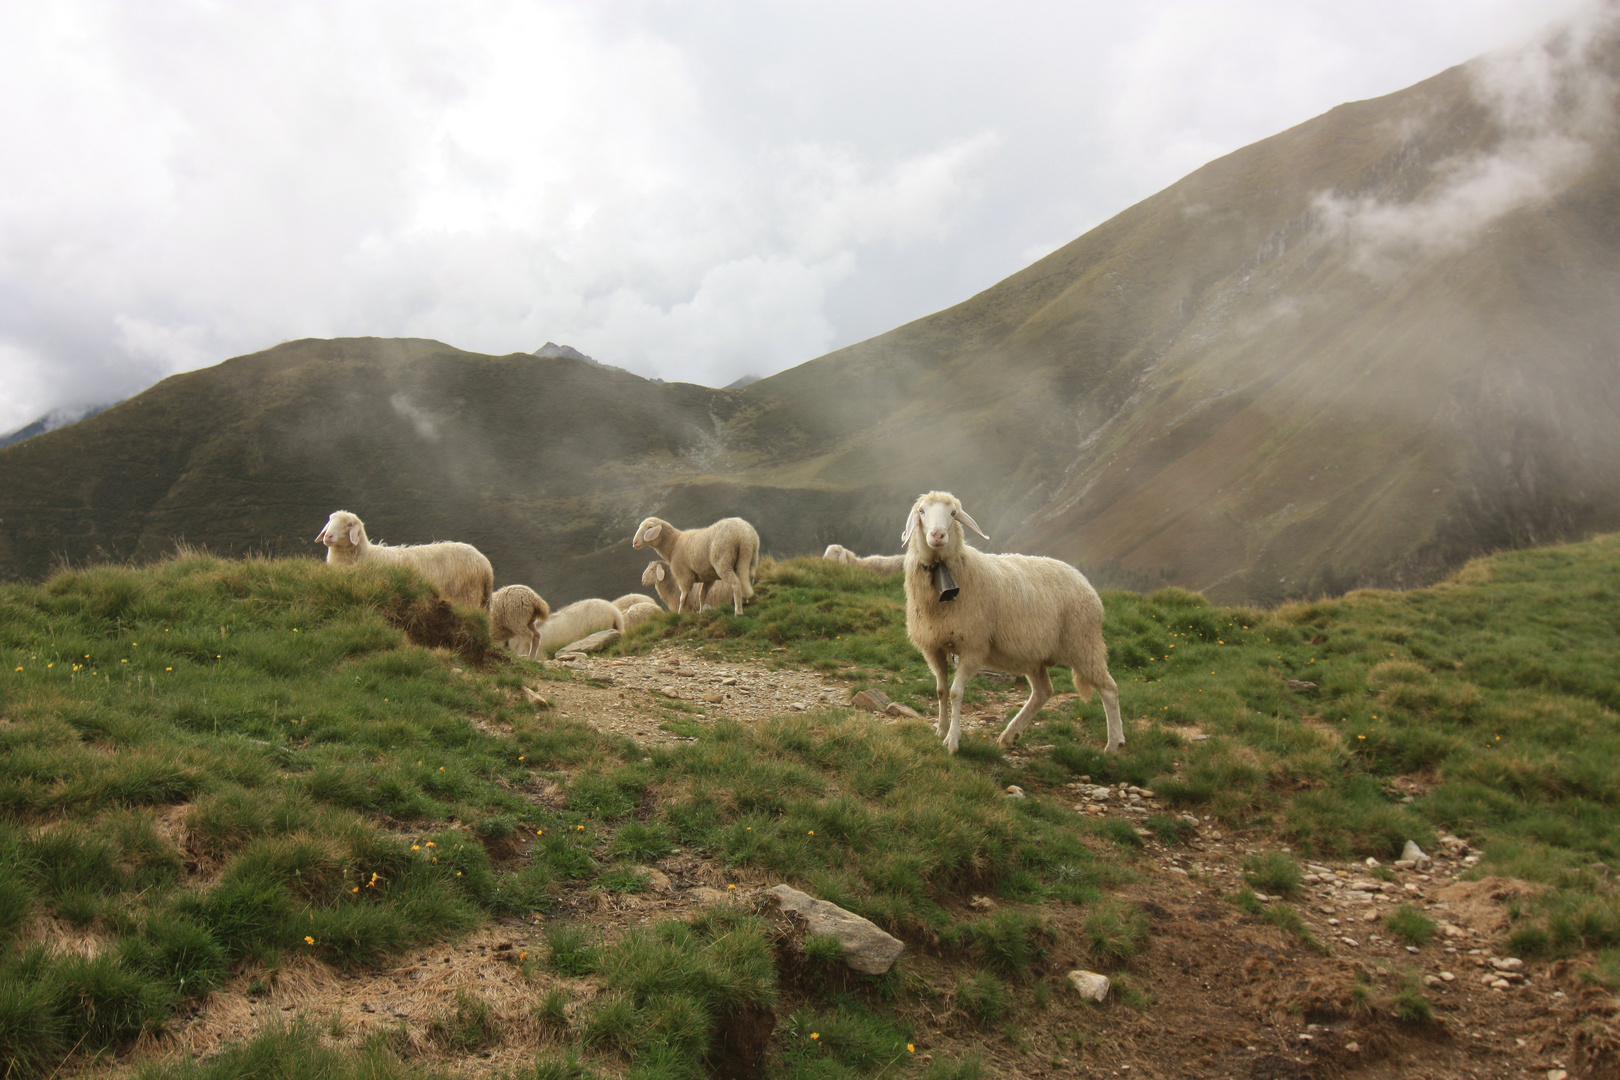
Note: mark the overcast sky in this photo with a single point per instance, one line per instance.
(689, 190)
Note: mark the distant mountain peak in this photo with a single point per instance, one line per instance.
(551, 349)
(742, 382)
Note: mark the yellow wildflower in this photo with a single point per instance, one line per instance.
(308, 940)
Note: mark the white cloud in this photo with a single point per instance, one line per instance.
(1552, 101)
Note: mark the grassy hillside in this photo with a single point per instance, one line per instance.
(1491, 694)
(213, 766)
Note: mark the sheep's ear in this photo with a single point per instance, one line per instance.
(321, 539)
(912, 522)
(962, 516)
(354, 534)
(658, 571)
(651, 534)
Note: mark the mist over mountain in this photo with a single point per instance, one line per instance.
(1354, 353)
(52, 420)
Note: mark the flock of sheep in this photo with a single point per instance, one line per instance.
(1018, 613)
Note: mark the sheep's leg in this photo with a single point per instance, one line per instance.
(1109, 692)
(1040, 686)
(965, 670)
(729, 576)
(936, 664)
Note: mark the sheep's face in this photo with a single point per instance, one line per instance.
(342, 528)
(939, 518)
(653, 574)
(647, 533)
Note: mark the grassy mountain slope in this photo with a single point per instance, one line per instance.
(541, 463)
(1223, 388)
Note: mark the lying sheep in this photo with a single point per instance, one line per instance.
(458, 571)
(631, 599)
(727, 551)
(1019, 613)
(636, 614)
(515, 615)
(659, 576)
(580, 619)
(883, 564)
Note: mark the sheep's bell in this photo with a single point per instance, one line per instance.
(944, 583)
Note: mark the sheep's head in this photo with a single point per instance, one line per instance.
(838, 553)
(342, 528)
(937, 518)
(648, 532)
(654, 573)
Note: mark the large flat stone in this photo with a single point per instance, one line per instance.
(867, 949)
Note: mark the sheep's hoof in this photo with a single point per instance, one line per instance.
(1114, 748)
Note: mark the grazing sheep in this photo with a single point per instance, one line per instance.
(883, 564)
(580, 619)
(636, 614)
(631, 599)
(658, 576)
(1019, 613)
(515, 615)
(726, 551)
(458, 571)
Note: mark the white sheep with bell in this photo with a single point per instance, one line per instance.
(515, 615)
(883, 564)
(458, 571)
(726, 551)
(1018, 613)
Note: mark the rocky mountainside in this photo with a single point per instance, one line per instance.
(1354, 353)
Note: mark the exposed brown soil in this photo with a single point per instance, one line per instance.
(1215, 992)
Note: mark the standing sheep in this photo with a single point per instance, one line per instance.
(458, 571)
(1019, 613)
(515, 614)
(580, 619)
(658, 576)
(726, 551)
(883, 564)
